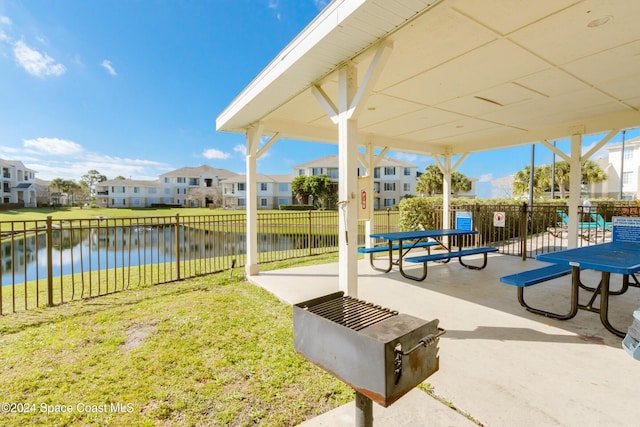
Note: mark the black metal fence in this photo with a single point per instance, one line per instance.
(49, 262)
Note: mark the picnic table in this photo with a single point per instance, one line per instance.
(407, 240)
(619, 257)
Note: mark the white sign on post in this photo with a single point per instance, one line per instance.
(498, 219)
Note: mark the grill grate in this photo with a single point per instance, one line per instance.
(351, 312)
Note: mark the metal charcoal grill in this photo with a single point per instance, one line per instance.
(380, 353)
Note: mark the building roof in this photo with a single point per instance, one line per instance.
(453, 76)
(130, 183)
(200, 171)
(331, 161)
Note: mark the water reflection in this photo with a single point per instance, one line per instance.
(84, 250)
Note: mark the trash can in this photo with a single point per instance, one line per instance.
(631, 342)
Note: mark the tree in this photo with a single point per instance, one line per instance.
(431, 182)
(118, 177)
(322, 190)
(591, 174)
(300, 189)
(318, 187)
(92, 177)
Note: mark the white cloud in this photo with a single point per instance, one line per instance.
(242, 149)
(212, 153)
(487, 177)
(107, 66)
(54, 146)
(4, 20)
(36, 63)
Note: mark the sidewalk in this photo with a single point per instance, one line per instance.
(500, 364)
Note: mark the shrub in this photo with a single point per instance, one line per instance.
(296, 207)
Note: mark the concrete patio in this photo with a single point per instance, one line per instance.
(499, 364)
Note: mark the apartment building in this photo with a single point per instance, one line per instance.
(393, 179)
(623, 172)
(188, 186)
(18, 183)
(273, 191)
(128, 193)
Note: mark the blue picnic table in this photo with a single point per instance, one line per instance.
(407, 240)
(618, 257)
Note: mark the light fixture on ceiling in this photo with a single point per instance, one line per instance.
(600, 21)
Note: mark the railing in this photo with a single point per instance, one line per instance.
(49, 262)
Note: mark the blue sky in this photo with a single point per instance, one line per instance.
(133, 88)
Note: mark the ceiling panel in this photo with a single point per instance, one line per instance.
(482, 68)
(568, 36)
(505, 16)
(410, 122)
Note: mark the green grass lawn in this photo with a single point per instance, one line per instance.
(208, 351)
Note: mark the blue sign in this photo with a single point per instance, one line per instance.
(464, 221)
(626, 229)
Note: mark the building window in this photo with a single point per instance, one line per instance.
(376, 172)
(263, 202)
(241, 186)
(300, 172)
(333, 173)
(407, 186)
(407, 171)
(389, 186)
(181, 180)
(152, 190)
(283, 202)
(389, 202)
(389, 171)
(283, 187)
(136, 189)
(166, 180)
(242, 202)
(316, 171)
(628, 154)
(263, 186)
(627, 177)
(376, 187)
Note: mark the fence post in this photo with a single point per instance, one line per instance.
(388, 220)
(49, 261)
(309, 233)
(178, 246)
(523, 231)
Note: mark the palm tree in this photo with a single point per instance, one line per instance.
(431, 181)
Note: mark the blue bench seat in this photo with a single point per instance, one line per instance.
(535, 276)
(444, 256)
(406, 245)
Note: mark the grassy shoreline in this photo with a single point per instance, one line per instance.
(208, 351)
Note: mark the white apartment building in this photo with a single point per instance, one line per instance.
(128, 193)
(273, 191)
(617, 166)
(18, 183)
(189, 186)
(392, 179)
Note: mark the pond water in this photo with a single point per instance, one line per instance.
(74, 252)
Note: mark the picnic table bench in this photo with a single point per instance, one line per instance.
(406, 246)
(419, 236)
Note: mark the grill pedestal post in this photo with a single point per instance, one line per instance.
(364, 411)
